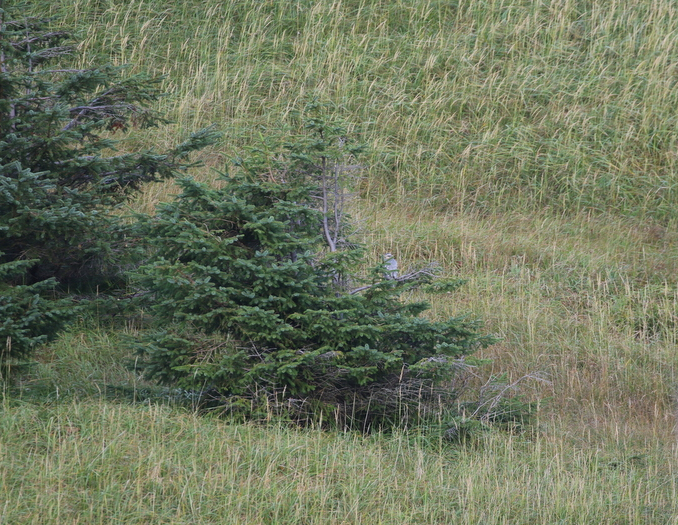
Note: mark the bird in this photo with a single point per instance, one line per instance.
(390, 267)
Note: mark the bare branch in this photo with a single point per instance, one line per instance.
(99, 104)
(428, 271)
(326, 227)
(490, 404)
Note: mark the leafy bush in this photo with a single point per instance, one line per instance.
(256, 307)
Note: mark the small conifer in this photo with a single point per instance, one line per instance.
(255, 303)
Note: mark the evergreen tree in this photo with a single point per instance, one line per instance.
(58, 181)
(256, 304)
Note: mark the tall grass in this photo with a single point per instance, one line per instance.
(567, 104)
(102, 463)
(592, 303)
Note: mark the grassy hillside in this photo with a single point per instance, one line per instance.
(529, 147)
(466, 104)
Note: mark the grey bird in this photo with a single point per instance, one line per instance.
(390, 267)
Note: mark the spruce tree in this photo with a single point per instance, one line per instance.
(60, 176)
(259, 308)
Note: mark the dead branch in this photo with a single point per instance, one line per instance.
(428, 271)
(490, 404)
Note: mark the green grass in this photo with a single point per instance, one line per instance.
(528, 147)
(465, 104)
(89, 462)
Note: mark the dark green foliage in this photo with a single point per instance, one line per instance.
(28, 316)
(59, 182)
(252, 305)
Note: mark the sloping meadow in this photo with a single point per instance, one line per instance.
(560, 104)
(528, 147)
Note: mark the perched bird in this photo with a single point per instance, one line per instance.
(390, 267)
